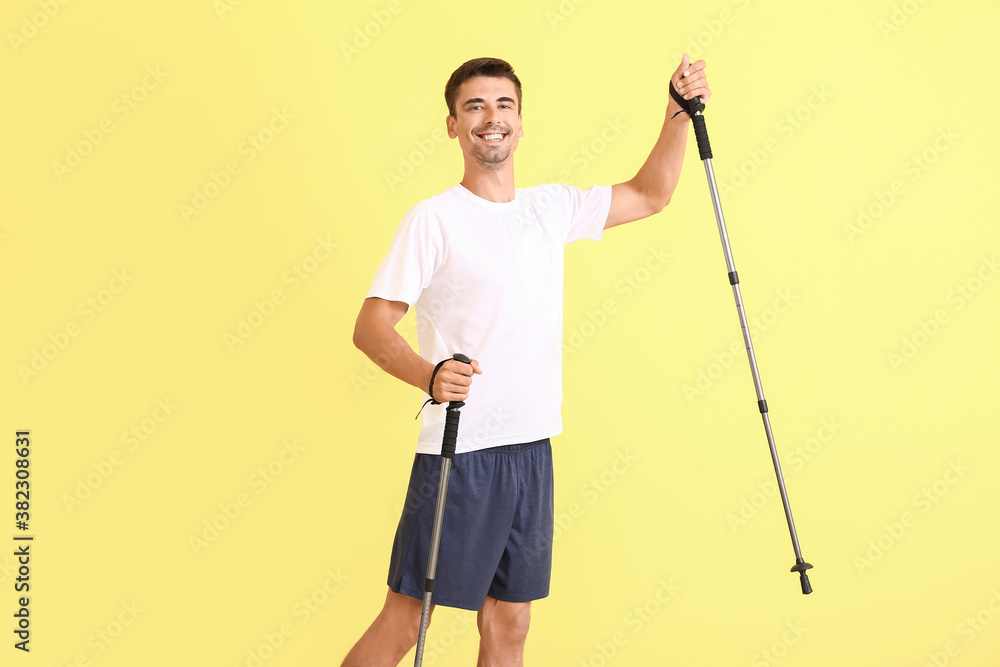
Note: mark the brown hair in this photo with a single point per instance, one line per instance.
(491, 67)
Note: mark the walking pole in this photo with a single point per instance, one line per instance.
(452, 415)
(705, 151)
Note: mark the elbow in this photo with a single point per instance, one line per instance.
(659, 204)
(665, 199)
(358, 337)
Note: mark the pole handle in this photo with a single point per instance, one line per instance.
(700, 131)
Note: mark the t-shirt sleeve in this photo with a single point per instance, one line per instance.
(587, 211)
(414, 256)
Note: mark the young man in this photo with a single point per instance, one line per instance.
(482, 263)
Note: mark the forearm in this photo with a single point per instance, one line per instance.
(658, 177)
(375, 335)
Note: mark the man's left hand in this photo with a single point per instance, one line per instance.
(690, 81)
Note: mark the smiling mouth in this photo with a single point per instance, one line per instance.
(492, 137)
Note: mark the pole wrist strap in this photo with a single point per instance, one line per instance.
(430, 388)
(685, 105)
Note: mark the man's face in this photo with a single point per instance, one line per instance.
(487, 121)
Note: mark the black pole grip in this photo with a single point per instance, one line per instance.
(701, 135)
(450, 430)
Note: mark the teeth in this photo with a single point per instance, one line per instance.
(492, 137)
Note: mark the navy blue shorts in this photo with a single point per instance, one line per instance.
(497, 534)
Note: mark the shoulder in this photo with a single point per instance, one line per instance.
(442, 203)
(436, 209)
(431, 219)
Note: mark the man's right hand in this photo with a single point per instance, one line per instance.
(454, 379)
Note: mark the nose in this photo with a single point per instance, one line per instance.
(493, 117)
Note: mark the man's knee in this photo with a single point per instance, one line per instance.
(505, 622)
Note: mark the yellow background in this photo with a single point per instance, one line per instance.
(891, 462)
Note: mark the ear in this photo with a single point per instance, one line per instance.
(449, 122)
(520, 122)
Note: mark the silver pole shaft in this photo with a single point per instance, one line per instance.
(723, 234)
(432, 558)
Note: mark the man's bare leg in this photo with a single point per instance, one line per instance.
(503, 629)
(390, 636)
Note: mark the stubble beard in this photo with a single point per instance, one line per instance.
(492, 158)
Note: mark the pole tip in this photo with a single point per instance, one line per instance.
(806, 586)
(801, 566)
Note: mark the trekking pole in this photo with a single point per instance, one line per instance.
(452, 415)
(705, 151)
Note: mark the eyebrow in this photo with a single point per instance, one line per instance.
(480, 100)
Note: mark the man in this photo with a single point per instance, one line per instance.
(482, 263)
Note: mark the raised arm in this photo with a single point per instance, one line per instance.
(375, 334)
(653, 186)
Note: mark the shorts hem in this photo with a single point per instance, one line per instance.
(526, 597)
(437, 601)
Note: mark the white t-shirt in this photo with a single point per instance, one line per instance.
(486, 280)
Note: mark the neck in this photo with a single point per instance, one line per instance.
(496, 186)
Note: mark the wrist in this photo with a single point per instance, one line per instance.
(434, 375)
(678, 119)
(676, 113)
(426, 375)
